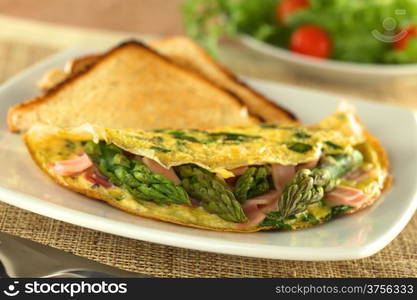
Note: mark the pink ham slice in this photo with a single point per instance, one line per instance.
(281, 175)
(308, 165)
(231, 181)
(358, 174)
(94, 176)
(157, 168)
(345, 195)
(239, 171)
(71, 167)
(255, 208)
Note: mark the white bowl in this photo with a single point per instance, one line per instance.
(327, 69)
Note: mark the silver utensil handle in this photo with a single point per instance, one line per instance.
(25, 258)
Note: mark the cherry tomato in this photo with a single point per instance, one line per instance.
(401, 44)
(288, 7)
(311, 40)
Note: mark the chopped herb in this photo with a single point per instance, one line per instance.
(276, 221)
(159, 149)
(180, 145)
(274, 214)
(229, 136)
(337, 210)
(310, 218)
(333, 145)
(301, 135)
(299, 147)
(181, 135)
(268, 126)
(209, 141)
(276, 224)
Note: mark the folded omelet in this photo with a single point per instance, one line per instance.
(241, 179)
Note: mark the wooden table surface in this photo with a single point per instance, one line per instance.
(140, 16)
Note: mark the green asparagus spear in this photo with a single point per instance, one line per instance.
(254, 182)
(134, 175)
(309, 186)
(215, 196)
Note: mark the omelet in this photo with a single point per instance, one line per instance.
(282, 176)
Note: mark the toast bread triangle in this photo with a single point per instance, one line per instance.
(188, 54)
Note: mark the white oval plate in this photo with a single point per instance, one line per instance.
(22, 184)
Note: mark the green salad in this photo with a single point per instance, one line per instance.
(362, 31)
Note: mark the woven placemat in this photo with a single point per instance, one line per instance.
(399, 259)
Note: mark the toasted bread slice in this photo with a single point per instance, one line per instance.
(188, 54)
(133, 86)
